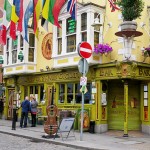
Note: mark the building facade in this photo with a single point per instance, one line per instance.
(117, 95)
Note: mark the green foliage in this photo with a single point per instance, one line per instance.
(131, 9)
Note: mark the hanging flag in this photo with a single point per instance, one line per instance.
(50, 13)
(36, 15)
(7, 13)
(27, 14)
(14, 20)
(17, 6)
(56, 10)
(45, 9)
(44, 22)
(3, 35)
(113, 5)
(19, 28)
(72, 8)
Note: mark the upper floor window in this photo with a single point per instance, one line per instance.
(84, 26)
(96, 31)
(59, 38)
(31, 47)
(71, 35)
(14, 50)
(7, 51)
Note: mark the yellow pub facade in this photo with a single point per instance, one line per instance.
(117, 91)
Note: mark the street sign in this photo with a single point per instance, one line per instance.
(84, 50)
(81, 66)
(83, 80)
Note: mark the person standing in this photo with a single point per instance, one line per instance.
(25, 109)
(1, 108)
(34, 105)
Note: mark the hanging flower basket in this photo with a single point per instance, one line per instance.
(102, 49)
(146, 52)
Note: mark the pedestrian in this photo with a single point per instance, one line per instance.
(34, 105)
(1, 108)
(25, 109)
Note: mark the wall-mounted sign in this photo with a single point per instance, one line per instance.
(47, 46)
(71, 26)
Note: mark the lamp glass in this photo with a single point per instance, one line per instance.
(128, 46)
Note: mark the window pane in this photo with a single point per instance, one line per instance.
(69, 93)
(145, 88)
(61, 93)
(96, 15)
(42, 98)
(25, 91)
(36, 89)
(31, 90)
(14, 56)
(14, 43)
(96, 38)
(1, 49)
(145, 94)
(59, 46)
(78, 95)
(59, 30)
(84, 36)
(71, 26)
(21, 42)
(145, 102)
(71, 43)
(84, 21)
(87, 95)
(31, 39)
(31, 55)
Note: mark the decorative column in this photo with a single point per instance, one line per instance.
(125, 109)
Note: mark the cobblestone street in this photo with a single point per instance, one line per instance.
(9, 142)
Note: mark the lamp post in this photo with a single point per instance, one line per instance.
(128, 36)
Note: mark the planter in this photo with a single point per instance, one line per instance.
(128, 26)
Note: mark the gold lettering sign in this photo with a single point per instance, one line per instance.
(105, 72)
(144, 72)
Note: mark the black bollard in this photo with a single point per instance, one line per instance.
(14, 119)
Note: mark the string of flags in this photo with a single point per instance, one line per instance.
(16, 15)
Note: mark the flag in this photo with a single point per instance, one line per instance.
(45, 9)
(44, 22)
(72, 8)
(7, 13)
(28, 4)
(14, 19)
(50, 13)
(19, 28)
(113, 5)
(3, 35)
(56, 10)
(36, 15)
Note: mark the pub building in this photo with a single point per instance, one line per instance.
(117, 91)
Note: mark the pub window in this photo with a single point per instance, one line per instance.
(70, 93)
(42, 93)
(145, 102)
(14, 50)
(31, 47)
(25, 91)
(84, 26)
(59, 38)
(61, 93)
(71, 35)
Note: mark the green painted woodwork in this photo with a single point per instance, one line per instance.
(116, 107)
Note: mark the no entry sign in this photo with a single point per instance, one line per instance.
(85, 50)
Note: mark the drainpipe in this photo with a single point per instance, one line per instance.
(125, 109)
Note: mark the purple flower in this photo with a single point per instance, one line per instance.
(102, 48)
(147, 48)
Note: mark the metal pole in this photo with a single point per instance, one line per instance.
(82, 110)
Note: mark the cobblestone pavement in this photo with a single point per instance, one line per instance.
(9, 142)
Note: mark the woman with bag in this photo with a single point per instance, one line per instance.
(34, 105)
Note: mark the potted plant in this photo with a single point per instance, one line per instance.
(146, 51)
(131, 10)
(102, 49)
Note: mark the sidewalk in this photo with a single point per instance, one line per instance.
(111, 140)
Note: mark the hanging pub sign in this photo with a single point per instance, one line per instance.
(71, 26)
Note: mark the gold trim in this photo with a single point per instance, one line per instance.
(9, 69)
(19, 68)
(30, 67)
(97, 58)
(76, 59)
(62, 61)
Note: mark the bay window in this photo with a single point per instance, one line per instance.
(59, 39)
(31, 47)
(14, 50)
(84, 27)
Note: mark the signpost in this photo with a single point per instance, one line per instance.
(85, 51)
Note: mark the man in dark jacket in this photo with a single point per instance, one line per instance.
(25, 109)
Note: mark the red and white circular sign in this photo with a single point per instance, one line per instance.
(85, 50)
